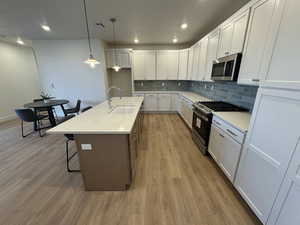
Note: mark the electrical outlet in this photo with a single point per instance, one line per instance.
(205, 86)
(179, 84)
(212, 87)
(142, 84)
(86, 147)
(163, 84)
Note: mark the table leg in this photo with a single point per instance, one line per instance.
(51, 117)
(35, 122)
(63, 109)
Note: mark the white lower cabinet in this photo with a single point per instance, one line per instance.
(164, 102)
(150, 102)
(225, 150)
(273, 137)
(186, 111)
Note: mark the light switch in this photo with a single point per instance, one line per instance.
(86, 147)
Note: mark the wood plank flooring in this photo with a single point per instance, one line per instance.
(175, 184)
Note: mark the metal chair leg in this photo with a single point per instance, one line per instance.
(22, 128)
(69, 158)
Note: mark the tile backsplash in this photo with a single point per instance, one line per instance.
(241, 95)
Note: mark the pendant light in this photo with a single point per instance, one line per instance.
(116, 67)
(91, 60)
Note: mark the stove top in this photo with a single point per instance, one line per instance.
(217, 106)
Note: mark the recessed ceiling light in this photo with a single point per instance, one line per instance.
(184, 26)
(175, 40)
(20, 42)
(46, 28)
(136, 40)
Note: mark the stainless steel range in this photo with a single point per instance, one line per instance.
(202, 119)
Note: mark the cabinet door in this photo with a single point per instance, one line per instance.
(124, 59)
(175, 105)
(150, 102)
(109, 58)
(162, 65)
(273, 136)
(212, 48)
(150, 65)
(286, 208)
(254, 61)
(284, 66)
(164, 102)
(183, 64)
(214, 146)
(225, 40)
(138, 65)
(195, 67)
(173, 65)
(202, 58)
(239, 33)
(190, 64)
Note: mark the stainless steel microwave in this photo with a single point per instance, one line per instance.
(227, 68)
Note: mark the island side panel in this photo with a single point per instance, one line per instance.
(107, 166)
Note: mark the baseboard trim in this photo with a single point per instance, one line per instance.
(7, 118)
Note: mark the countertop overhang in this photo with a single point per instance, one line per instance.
(102, 120)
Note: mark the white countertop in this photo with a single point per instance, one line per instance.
(239, 120)
(100, 119)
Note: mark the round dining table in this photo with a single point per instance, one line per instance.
(49, 106)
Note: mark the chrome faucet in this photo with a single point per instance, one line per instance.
(109, 95)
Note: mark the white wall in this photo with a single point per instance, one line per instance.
(63, 73)
(19, 82)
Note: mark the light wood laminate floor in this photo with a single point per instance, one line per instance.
(175, 183)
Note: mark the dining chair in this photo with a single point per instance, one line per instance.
(70, 137)
(27, 115)
(44, 111)
(75, 110)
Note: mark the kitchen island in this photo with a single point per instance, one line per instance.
(106, 137)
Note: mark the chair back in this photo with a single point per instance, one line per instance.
(78, 104)
(86, 108)
(26, 115)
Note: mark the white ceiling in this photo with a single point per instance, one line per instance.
(152, 21)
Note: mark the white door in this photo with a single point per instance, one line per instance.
(150, 65)
(239, 32)
(196, 53)
(284, 66)
(254, 64)
(212, 48)
(150, 102)
(162, 65)
(273, 136)
(183, 64)
(190, 63)
(164, 102)
(138, 65)
(225, 40)
(202, 58)
(287, 205)
(173, 59)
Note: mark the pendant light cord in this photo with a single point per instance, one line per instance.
(87, 26)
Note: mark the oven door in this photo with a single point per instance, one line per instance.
(201, 130)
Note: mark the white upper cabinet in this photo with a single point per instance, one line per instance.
(259, 35)
(212, 48)
(118, 56)
(232, 34)
(167, 64)
(272, 139)
(183, 64)
(202, 58)
(144, 65)
(284, 65)
(195, 66)
(190, 64)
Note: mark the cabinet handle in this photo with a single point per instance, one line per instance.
(255, 80)
(222, 135)
(229, 131)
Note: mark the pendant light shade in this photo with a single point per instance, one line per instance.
(116, 67)
(91, 60)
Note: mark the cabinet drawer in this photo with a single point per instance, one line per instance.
(230, 130)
